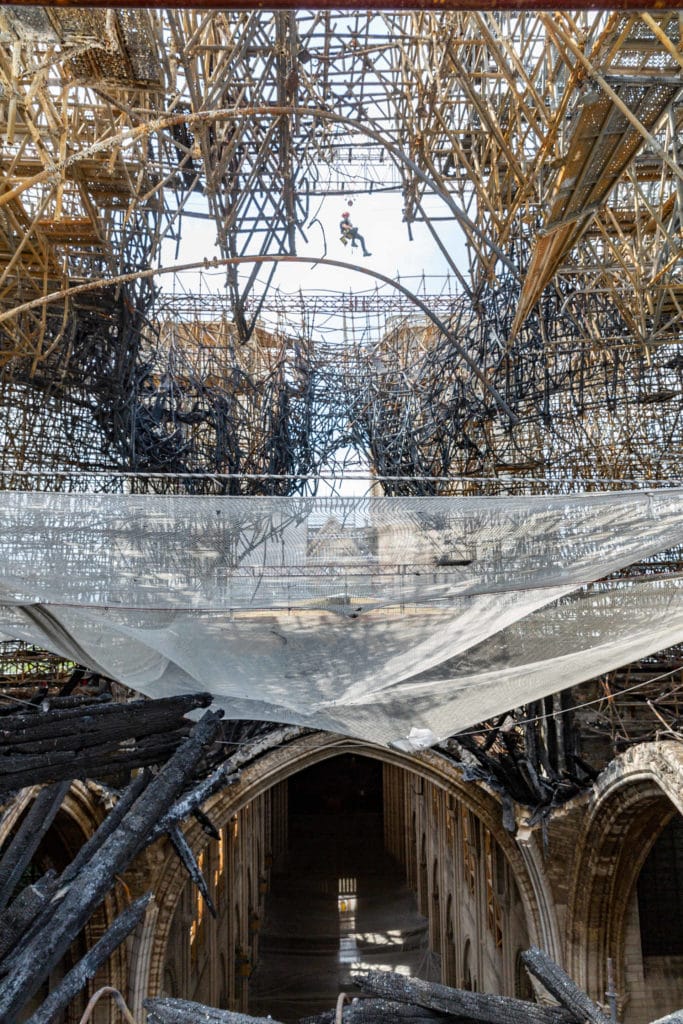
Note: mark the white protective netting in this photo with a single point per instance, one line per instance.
(397, 620)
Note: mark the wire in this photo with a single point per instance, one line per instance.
(575, 707)
(8, 696)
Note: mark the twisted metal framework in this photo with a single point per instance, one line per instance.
(552, 140)
(588, 415)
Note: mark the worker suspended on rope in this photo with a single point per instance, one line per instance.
(351, 234)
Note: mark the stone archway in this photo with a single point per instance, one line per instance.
(277, 765)
(633, 800)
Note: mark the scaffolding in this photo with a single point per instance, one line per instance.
(551, 140)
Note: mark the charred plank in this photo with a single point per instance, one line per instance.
(144, 715)
(19, 916)
(72, 983)
(24, 844)
(181, 1011)
(383, 1011)
(476, 1006)
(45, 948)
(558, 983)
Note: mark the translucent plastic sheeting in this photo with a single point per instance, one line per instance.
(397, 620)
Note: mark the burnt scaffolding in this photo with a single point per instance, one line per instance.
(166, 386)
(123, 126)
(588, 407)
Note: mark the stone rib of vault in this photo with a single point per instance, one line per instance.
(396, 620)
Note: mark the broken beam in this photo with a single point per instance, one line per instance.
(476, 1006)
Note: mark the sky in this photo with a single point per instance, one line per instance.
(377, 216)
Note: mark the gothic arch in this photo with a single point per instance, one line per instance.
(277, 765)
(633, 799)
(78, 807)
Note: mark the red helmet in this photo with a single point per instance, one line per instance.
(346, 213)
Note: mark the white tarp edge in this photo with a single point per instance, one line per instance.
(398, 620)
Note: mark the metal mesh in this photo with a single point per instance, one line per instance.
(399, 620)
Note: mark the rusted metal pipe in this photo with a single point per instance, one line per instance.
(377, 5)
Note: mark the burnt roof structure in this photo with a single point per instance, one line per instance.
(552, 140)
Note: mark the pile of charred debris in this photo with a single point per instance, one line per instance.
(160, 768)
(389, 998)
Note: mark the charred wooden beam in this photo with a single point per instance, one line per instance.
(476, 1006)
(91, 740)
(24, 844)
(383, 1011)
(527, 757)
(181, 1011)
(30, 912)
(37, 957)
(145, 753)
(85, 755)
(42, 702)
(224, 775)
(671, 1018)
(41, 924)
(558, 983)
(207, 825)
(140, 716)
(85, 736)
(108, 826)
(73, 681)
(189, 861)
(72, 983)
(19, 916)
